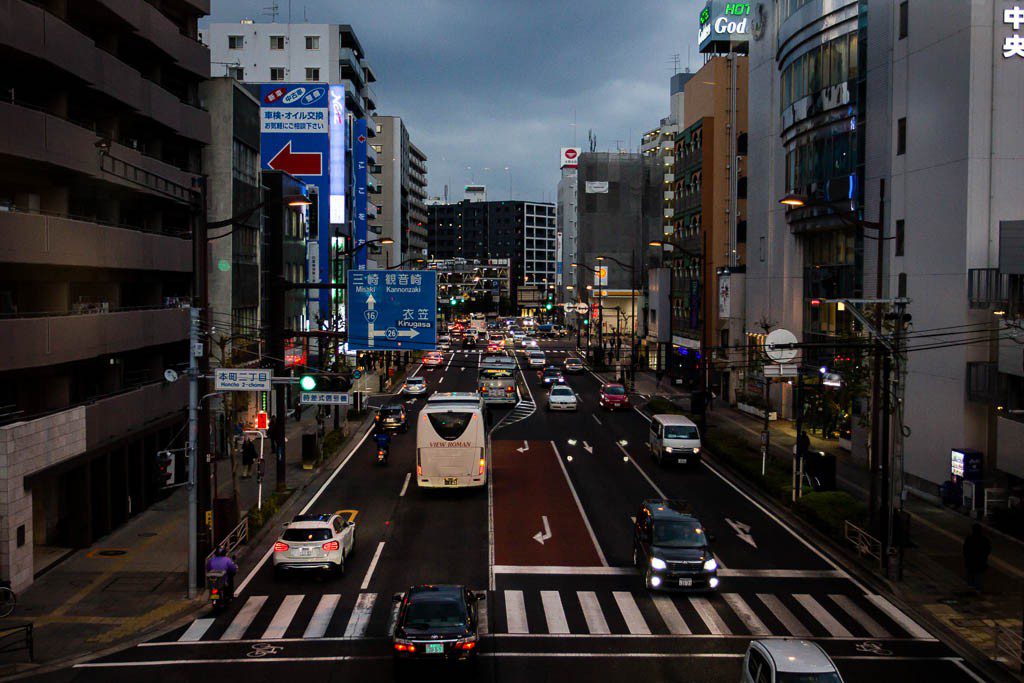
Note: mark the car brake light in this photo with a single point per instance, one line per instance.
(482, 463)
(419, 470)
(280, 547)
(331, 546)
(508, 390)
(466, 644)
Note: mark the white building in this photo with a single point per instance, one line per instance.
(400, 192)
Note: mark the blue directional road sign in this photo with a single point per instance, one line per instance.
(392, 310)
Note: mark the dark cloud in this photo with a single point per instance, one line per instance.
(487, 84)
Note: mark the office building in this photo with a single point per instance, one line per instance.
(473, 286)
(400, 192)
(566, 223)
(98, 201)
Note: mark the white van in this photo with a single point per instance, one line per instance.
(674, 438)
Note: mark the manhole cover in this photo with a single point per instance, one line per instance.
(111, 553)
(147, 534)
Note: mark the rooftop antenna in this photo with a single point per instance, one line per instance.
(305, 18)
(273, 10)
(674, 60)
(289, 11)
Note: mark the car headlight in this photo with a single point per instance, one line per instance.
(658, 563)
(668, 449)
(710, 565)
(696, 451)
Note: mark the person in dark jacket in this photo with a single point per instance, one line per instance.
(248, 458)
(977, 548)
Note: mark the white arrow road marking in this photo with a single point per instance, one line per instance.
(542, 536)
(588, 448)
(525, 447)
(743, 531)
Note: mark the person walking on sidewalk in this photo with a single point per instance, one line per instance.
(976, 551)
(248, 458)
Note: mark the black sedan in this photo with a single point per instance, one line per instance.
(552, 375)
(436, 623)
(392, 417)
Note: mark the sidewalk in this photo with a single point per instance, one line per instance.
(134, 581)
(933, 579)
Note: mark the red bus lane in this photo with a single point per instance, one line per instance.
(530, 487)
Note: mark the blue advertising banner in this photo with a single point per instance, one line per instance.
(359, 190)
(295, 138)
(392, 309)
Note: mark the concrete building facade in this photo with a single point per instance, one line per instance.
(400, 192)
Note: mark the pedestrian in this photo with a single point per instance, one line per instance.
(248, 458)
(273, 433)
(803, 444)
(976, 551)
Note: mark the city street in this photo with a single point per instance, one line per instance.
(551, 542)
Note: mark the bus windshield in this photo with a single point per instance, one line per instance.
(450, 426)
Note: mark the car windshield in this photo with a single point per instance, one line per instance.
(615, 391)
(572, 361)
(414, 380)
(391, 411)
(680, 432)
(299, 535)
(562, 391)
(678, 534)
(823, 677)
(428, 614)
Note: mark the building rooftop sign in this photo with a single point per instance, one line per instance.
(724, 26)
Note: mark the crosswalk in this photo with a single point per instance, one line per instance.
(573, 613)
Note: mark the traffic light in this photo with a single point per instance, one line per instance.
(307, 382)
(164, 468)
(586, 321)
(547, 306)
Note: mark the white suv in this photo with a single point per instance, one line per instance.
(314, 542)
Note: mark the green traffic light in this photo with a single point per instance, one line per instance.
(307, 382)
(548, 306)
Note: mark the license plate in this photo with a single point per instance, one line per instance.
(305, 552)
(451, 481)
(435, 648)
(682, 461)
(685, 582)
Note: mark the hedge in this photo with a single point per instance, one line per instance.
(828, 510)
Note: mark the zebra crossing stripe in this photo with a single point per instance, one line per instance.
(710, 617)
(596, 623)
(236, 629)
(905, 622)
(746, 615)
(631, 613)
(515, 612)
(782, 613)
(317, 626)
(360, 618)
(483, 626)
(873, 628)
(671, 616)
(282, 617)
(553, 612)
(834, 628)
(196, 630)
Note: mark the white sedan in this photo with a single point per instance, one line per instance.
(315, 542)
(562, 397)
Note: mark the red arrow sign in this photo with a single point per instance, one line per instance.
(298, 163)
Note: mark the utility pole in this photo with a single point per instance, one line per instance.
(200, 533)
(884, 522)
(192, 452)
(876, 368)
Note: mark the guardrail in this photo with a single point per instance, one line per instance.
(865, 544)
(17, 637)
(1007, 648)
(238, 536)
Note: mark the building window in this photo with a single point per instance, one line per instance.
(236, 72)
(312, 74)
(901, 136)
(903, 19)
(312, 42)
(900, 234)
(236, 42)
(276, 42)
(277, 73)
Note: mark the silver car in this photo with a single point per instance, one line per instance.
(314, 542)
(414, 386)
(562, 397)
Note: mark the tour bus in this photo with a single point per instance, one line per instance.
(452, 447)
(497, 380)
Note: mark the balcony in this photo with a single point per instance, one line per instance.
(52, 339)
(152, 25)
(60, 241)
(987, 288)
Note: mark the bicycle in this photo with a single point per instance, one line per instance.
(8, 599)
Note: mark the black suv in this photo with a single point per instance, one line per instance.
(469, 341)
(436, 623)
(392, 417)
(672, 548)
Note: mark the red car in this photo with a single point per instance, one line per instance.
(613, 396)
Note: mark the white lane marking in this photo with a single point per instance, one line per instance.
(196, 631)
(721, 565)
(596, 623)
(270, 550)
(671, 616)
(746, 615)
(782, 613)
(282, 617)
(579, 505)
(450, 359)
(657, 489)
(515, 612)
(966, 670)
(317, 626)
(834, 628)
(904, 622)
(710, 617)
(640, 413)
(360, 619)
(483, 626)
(596, 418)
(781, 573)
(860, 616)
(441, 379)
(405, 486)
(631, 613)
(373, 565)
(236, 629)
(553, 612)
(551, 569)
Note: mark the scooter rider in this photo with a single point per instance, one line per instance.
(383, 440)
(220, 562)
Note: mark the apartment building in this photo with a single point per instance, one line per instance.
(100, 158)
(400, 192)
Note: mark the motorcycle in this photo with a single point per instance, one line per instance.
(382, 455)
(221, 594)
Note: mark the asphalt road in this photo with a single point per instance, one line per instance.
(564, 602)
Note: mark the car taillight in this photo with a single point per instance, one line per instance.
(482, 463)
(508, 390)
(466, 644)
(280, 547)
(404, 646)
(330, 546)
(419, 470)
(483, 390)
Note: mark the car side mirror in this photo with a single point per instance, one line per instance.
(397, 597)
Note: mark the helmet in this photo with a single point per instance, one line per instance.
(221, 551)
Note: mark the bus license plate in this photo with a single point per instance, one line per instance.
(451, 481)
(435, 648)
(685, 582)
